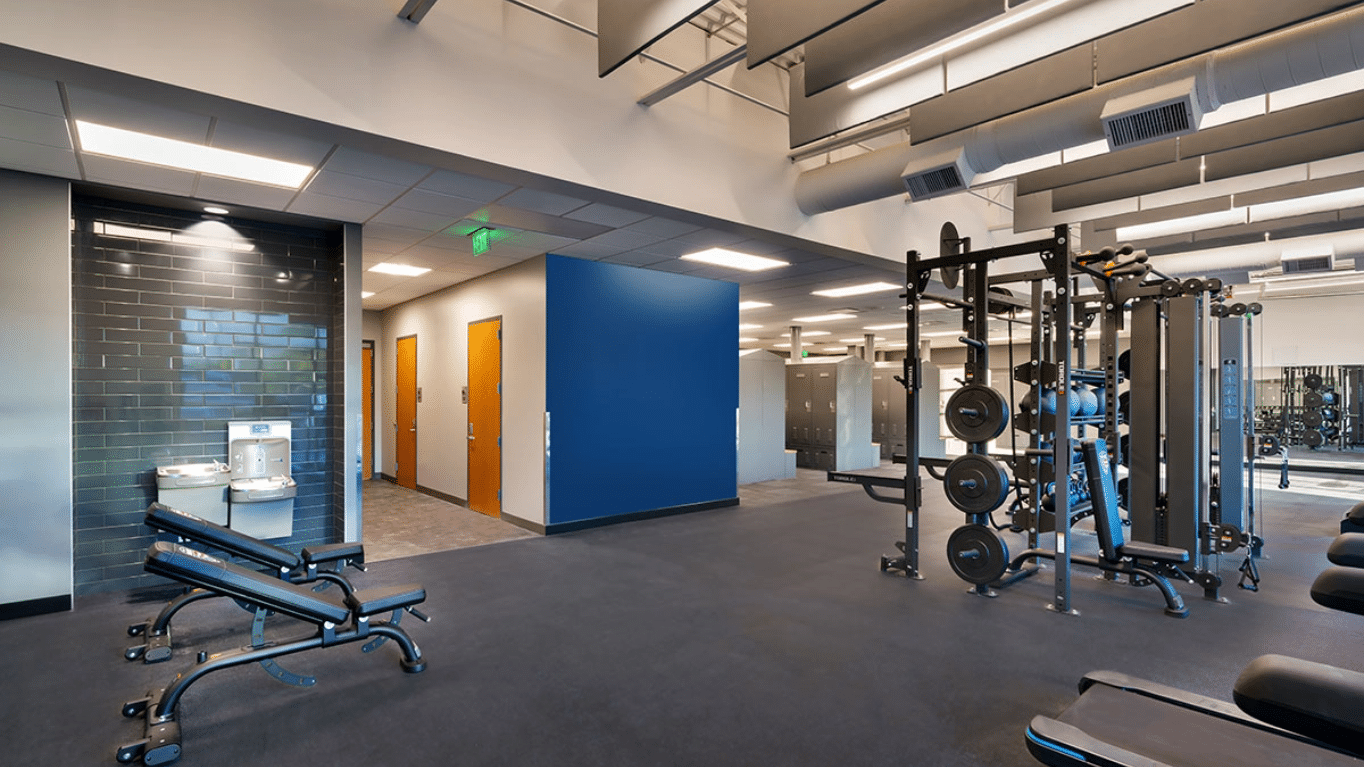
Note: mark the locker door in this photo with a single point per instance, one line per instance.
(797, 406)
(823, 398)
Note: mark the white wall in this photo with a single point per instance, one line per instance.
(1320, 330)
(372, 329)
(441, 321)
(486, 80)
(35, 414)
(762, 418)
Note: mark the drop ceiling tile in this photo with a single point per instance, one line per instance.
(432, 255)
(233, 192)
(663, 227)
(625, 240)
(607, 215)
(36, 158)
(541, 202)
(350, 187)
(376, 230)
(278, 146)
(35, 128)
(31, 94)
(413, 219)
(635, 258)
(468, 187)
(670, 248)
(588, 250)
(139, 176)
(356, 163)
(119, 112)
(759, 248)
(536, 241)
(333, 208)
(709, 238)
(449, 206)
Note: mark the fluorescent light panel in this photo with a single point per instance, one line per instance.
(733, 259)
(933, 52)
(855, 340)
(814, 333)
(892, 326)
(825, 318)
(366, 293)
(855, 290)
(748, 340)
(752, 305)
(184, 155)
(401, 270)
(749, 326)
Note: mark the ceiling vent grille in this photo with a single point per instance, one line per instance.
(1305, 264)
(937, 176)
(1151, 115)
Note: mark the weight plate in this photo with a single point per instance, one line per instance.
(977, 414)
(977, 554)
(976, 484)
(1313, 438)
(949, 244)
(1254, 308)
(1125, 364)
(994, 306)
(1193, 285)
(1312, 381)
(1169, 288)
(1220, 310)
(1238, 310)
(1313, 399)
(1311, 418)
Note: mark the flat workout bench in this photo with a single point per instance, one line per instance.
(337, 622)
(302, 567)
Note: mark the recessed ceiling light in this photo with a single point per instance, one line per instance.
(401, 270)
(825, 318)
(215, 210)
(892, 326)
(748, 340)
(809, 333)
(172, 153)
(733, 259)
(366, 293)
(855, 290)
(782, 346)
(926, 306)
(749, 326)
(752, 305)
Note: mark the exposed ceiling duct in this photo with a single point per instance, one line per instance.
(1326, 47)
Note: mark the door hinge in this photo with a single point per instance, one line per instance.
(499, 334)
(499, 388)
(499, 495)
(499, 442)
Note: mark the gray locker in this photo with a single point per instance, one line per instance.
(798, 390)
(829, 414)
(824, 406)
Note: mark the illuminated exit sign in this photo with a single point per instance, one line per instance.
(481, 240)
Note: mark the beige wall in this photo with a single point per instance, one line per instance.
(440, 321)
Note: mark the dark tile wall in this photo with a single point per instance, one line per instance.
(178, 331)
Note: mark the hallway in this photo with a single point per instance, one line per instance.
(399, 522)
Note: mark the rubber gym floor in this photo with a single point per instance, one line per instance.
(759, 635)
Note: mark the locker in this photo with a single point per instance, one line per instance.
(797, 406)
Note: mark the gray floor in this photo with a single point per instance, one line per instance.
(400, 522)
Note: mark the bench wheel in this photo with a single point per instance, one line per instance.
(127, 754)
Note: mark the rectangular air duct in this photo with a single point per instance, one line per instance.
(1304, 262)
(938, 175)
(1151, 115)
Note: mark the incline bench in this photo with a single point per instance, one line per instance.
(294, 568)
(337, 622)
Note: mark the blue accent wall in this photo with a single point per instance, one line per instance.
(642, 384)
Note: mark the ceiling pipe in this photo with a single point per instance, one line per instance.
(1255, 256)
(1326, 47)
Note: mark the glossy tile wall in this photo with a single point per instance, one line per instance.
(182, 324)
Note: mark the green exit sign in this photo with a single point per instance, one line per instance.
(481, 240)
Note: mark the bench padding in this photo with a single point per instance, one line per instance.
(194, 528)
(1340, 588)
(1347, 550)
(199, 569)
(384, 599)
(1312, 699)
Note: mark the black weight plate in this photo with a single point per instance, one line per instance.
(1311, 418)
(1253, 308)
(1313, 399)
(977, 413)
(1313, 438)
(977, 554)
(1312, 381)
(1193, 285)
(976, 484)
(1125, 364)
(1238, 310)
(1169, 288)
(1220, 310)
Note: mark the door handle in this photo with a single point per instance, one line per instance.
(471, 438)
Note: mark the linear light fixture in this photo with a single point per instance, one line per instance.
(748, 340)
(825, 318)
(184, 155)
(855, 340)
(749, 326)
(216, 210)
(925, 306)
(366, 293)
(855, 290)
(891, 326)
(401, 270)
(932, 52)
(781, 346)
(752, 305)
(733, 259)
(812, 333)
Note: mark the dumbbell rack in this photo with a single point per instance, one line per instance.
(1318, 407)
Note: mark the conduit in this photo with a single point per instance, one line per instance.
(1326, 47)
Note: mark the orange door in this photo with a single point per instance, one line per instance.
(485, 417)
(406, 424)
(367, 435)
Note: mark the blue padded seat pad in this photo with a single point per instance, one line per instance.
(220, 576)
(186, 525)
(385, 598)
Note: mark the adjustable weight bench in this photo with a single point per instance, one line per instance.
(1291, 712)
(307, 566)
(1145, 563)
(338, 622)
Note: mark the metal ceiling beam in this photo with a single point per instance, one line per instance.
(415, 10)
(688, 79)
